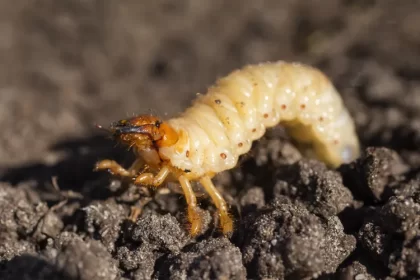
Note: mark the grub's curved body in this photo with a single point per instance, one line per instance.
(220, 126)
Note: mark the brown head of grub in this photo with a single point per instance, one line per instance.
(143, 132)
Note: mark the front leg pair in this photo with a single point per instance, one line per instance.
(133, 173)
(116, 169)
(143, 178)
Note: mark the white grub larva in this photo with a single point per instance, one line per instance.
(220, 126)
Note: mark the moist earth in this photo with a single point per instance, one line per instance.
(68, 65)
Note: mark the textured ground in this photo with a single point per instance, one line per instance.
(66, 65)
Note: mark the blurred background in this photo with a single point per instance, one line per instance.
(67, 65)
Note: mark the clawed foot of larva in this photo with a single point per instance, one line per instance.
(113, 167)
(195, 220)
(134, 213)
(153, 180)
(226, 223)
(145, 179)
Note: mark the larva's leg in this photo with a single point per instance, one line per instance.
(136, 166)
(153, 180)
(116, 169)
(113, 167)
(138, 209)
(225, 220)
(134, 213)
(193, 212)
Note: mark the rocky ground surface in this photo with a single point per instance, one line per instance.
(66, 65)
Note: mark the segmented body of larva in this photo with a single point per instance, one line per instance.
(220, 126)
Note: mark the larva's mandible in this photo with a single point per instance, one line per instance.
(220, 126)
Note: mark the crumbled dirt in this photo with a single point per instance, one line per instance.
(68, 65)
(284, 240)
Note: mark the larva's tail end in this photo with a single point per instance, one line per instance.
(344, 154)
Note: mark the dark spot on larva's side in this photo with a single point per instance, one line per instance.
(187, 170)
(223, 156)
(254, 130)
(302, 106)
(283, 107)
(240, 144)
(321, 119)
(335, 142)
(242, 103)
(255, 84)
(187, 153)
(217, 101)
(265, 116)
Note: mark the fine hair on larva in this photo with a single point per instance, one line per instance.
(221, 125)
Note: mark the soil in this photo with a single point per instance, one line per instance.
(66, 65)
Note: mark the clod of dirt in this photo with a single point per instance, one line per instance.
(252, 200)
(161, 232)
(19, 215)
(306, 180)
(213, 258)
(103, 221)
(23, 219)
(140, 262)
(409, 189)
(32, 267)
(286, 240)
(150, 238)
(371, 174)
(356, 271)
(66, 257)
(271, 151)
(392, 236)
(11, 247)
(81, 259)
(320, 189)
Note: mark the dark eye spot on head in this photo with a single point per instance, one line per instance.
(187, 170)
(158, 123)
(217, 101)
